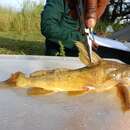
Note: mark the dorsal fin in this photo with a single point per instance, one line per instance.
(83, 55)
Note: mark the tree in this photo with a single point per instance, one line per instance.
(117, 10)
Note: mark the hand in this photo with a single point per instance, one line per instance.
(94, 10)
(94, 45)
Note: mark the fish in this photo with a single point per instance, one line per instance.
(99, 76)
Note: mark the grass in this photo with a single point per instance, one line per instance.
(31, 44)
(23, 21)
(102, 25)
(20, 30)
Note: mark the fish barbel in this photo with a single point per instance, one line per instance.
(99, 76)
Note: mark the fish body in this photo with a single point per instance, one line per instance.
(100, 76)
(56, 80)
(95, 77)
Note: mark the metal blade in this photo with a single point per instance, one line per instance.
(88, 46)
(87, 43)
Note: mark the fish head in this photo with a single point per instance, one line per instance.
(126, 76)
(121, 74)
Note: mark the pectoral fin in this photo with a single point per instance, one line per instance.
(38, 91)
(76, 93)
(125, 96)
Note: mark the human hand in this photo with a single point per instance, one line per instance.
(94, 10)
(95, 46)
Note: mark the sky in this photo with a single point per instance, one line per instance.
(17, 3)
(14, 3)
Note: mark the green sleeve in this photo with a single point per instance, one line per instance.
(51, 26)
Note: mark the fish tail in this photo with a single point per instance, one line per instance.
(13, 78)
(17, 79)
(22, 81)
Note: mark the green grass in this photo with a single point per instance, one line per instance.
(25, 44)
(20, 30)
(101, 26)
(23, 21)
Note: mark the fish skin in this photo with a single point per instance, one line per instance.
(95, 75)
(101, 75)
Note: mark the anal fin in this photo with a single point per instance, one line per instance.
(38, 91)
(76, 93)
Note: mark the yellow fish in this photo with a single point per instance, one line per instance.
(101, 75)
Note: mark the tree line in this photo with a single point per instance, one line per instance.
(117, 10)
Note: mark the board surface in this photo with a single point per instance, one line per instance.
(101, 111)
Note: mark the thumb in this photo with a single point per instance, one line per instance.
(90, 23)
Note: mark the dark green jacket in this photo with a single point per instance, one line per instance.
(57, 25)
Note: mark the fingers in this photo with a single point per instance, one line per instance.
(91, 15)
(94, 45)
(90, 23)
(101, 5)
(91, 6)
(94, 10)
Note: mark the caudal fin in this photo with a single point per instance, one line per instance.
(16, 79)
(11, 81)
